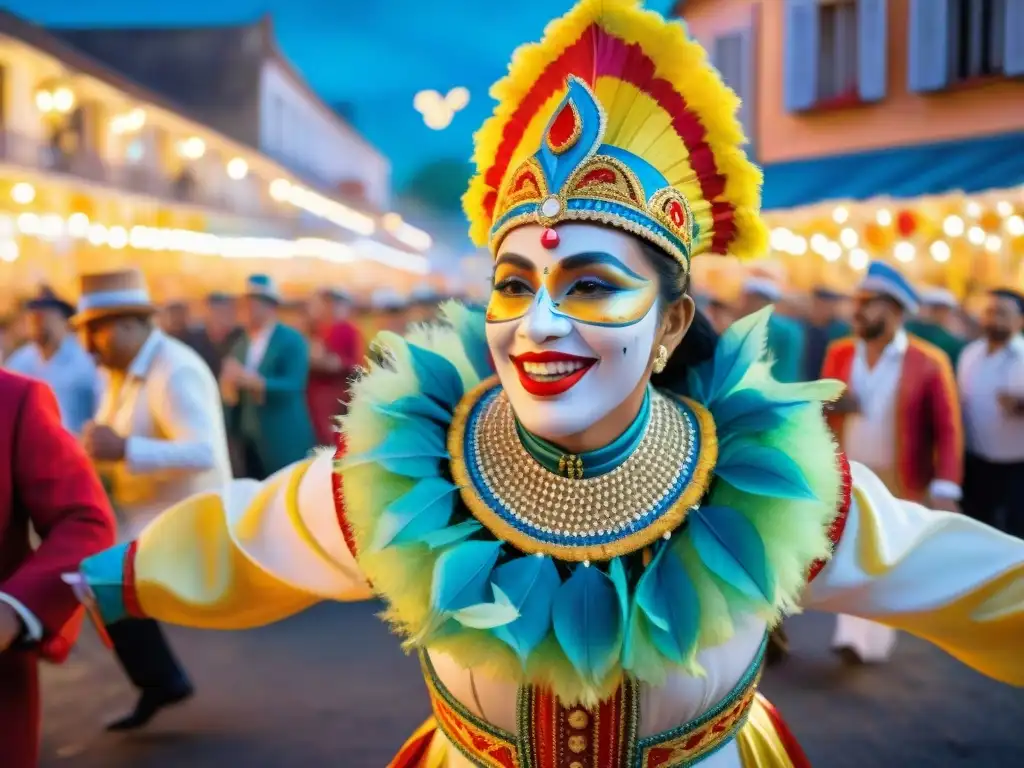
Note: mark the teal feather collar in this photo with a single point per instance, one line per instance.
(451, 585)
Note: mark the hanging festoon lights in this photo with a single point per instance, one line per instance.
(53, 227)
(942, 231)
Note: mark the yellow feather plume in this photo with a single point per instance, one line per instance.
(638, 121)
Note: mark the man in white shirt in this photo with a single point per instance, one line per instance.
(991, 379)
(900, 416)
(55, 357)
(158, 438)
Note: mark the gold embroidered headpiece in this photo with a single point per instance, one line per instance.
(616, 117)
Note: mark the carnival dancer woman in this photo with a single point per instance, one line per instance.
(583, 511)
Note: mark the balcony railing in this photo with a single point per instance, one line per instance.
(140, 178)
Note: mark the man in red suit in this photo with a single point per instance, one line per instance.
(45, 480)
(900, 416)
(901, 413)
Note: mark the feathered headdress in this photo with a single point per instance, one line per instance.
(616, 117)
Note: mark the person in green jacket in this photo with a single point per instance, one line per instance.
(263, 382)
(785, 335)
(933, 322)
(822, 326)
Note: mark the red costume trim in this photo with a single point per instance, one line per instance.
(835, 532)
(586, 737)
(794, 751)
(339, 498)
(129, 595)
(686, 124)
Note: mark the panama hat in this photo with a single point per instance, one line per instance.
(112, 294)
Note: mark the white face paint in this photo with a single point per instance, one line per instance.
(571, 329)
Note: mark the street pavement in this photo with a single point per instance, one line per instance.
(332, 688)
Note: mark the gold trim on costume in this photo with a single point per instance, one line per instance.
(569, 508)
(551, 734)
(699, 741)
(625, 187)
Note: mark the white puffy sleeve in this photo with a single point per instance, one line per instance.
(938, 575)
(250, 554)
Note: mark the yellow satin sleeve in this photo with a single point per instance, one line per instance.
(251, 554)
(759, 742)
(938, 575)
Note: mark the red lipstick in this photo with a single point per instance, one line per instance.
(547, 374)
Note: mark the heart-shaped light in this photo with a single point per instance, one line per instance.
(426, 102)
(438, 119)
(457, 99)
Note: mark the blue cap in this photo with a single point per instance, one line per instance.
(886, 280)
(262, 286)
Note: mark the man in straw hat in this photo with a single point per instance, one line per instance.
(55, 357)
(158, 437)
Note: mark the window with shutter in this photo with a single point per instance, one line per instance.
(836, 52)
(732, 55)
(977, 38)
(957, 41)
(837, 56)
(1013, 39)
(800, 46)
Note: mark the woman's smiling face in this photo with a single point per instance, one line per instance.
(571, 328)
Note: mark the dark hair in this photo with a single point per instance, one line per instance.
(698, 345)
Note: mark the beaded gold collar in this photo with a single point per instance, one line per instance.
(572, 519)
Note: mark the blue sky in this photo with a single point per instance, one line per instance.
(374, 56)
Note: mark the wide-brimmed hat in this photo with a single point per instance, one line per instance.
(48, 299)
(112, 294)
(263, 287)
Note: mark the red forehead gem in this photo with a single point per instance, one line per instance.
(549, 239)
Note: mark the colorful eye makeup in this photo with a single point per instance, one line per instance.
(592, 288)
